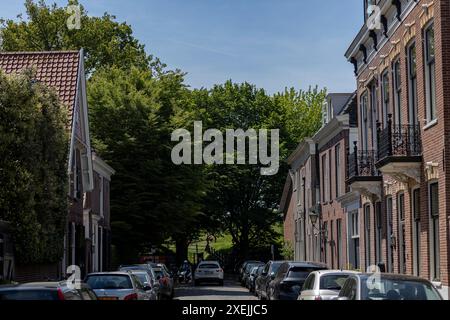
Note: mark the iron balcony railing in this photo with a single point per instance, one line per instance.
(398, 141)
(361, 164)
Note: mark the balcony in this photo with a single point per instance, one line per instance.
(362, 175)
(399, 151)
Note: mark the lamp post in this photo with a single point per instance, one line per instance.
(314, 215)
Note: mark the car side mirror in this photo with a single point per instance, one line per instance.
(272, 275)
(147, 288)
(264, 274)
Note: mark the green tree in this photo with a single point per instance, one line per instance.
(244, 202)
(33, 167)
(133, 114)
(106, 42)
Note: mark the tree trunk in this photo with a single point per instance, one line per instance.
(182, 246)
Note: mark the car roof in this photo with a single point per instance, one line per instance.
(391, 276)
(114, 273)
(328, 272)
(305, 264)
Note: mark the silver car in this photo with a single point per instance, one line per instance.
(146, 281)
(117, 286)
(324, 284)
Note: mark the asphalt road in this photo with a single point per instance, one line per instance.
(230, 291)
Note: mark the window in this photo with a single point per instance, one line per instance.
(367, 227)
(397, 91)
(386, 97)
(390, 234)
(332, 242)
(102, 200)
(2, 256)
(337, 160)
(378, 232)
(434, 234)
(339, 243)
(364, 122)
(430, 73)
(412, 84)
(401, 232)
(325, 243)
(416, 231)
(330, 185)
(373, 112)
(355, 224)
(324, 178)
(354, 256)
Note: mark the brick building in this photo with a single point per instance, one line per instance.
(87, 236)
(398, 170)
(317, 179)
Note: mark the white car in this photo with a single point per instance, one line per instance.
(324, 285)
(208, 271)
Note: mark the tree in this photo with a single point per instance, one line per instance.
(106, 42)
(133, 114)
(244, 201)
(33, 167)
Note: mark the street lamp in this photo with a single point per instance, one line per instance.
(313, 216)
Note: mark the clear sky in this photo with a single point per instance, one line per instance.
(271, 43)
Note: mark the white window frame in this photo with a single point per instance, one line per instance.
(431, 107)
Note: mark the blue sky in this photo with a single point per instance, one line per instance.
(271, 43)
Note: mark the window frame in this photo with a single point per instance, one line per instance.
(386, 91)
(430, 74)
(435, 270)
(412, 83)
(397, 86)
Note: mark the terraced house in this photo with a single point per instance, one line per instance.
(395, 198)
(315, 224)
(400, 166)
(87, 238)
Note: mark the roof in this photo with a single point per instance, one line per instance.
(339, 101)
(56, 69)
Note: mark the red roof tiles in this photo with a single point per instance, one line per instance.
(58, 69)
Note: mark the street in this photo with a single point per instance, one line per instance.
(230, 291)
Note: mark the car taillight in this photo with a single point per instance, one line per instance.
(61, 295)
(318, 298)
(132, 296)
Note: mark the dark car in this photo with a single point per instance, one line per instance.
(242, 268)
(46, 291)
(254, 274)
(267, 275)
(247, 271)
(388, 287)
(289, 279)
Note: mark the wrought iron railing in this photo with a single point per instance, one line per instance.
(362, 164)
(399, 141)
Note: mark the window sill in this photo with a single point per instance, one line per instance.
(430, 124)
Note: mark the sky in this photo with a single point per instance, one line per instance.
(271, 43)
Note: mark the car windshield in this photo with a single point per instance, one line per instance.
(398, 289)
(333, 281)
(142, 278)
(250, 267)
(42, 295)
(301, 272)
(275, 266)
(209, 266)
(109, 282)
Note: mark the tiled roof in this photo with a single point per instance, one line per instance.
(58, 69)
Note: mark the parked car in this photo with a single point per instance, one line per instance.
(146, 281)
(255, 273)
(324, 285)
(166, 284)
(117, 286)
(289, 279)
(267, 275)
(42, 291)
(387, 287)
(209, 271)
(247, 271)
(242, 268)
(148, 267)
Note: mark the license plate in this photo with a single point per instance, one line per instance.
(108, 298)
